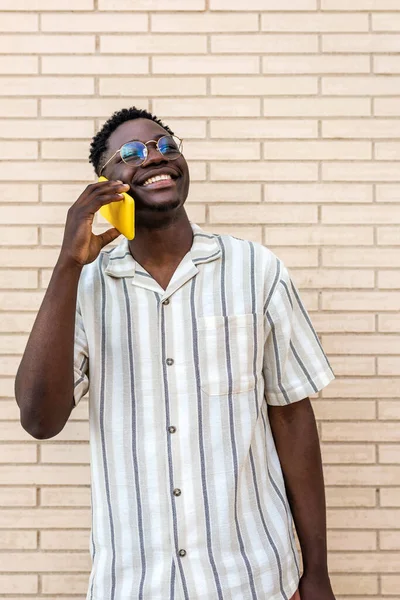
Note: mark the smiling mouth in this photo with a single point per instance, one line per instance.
(156, 179)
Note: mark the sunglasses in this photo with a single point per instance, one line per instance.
(135, 153)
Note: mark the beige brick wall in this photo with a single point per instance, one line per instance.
(290, 114)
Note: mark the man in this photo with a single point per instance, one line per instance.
(200, 358)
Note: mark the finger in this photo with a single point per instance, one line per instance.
(99, 201)
(106, 186)
(108, 236)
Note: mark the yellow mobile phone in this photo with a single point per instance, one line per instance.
(121, 215)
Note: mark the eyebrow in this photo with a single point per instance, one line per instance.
(156, 137)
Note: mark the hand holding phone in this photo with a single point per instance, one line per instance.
(121, 214)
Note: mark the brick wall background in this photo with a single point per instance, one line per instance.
(290, 115)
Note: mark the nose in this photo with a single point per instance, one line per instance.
(154, 157)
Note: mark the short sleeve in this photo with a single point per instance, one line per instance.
(81, 359)
(295, 365)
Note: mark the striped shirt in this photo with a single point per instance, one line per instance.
(188, 497)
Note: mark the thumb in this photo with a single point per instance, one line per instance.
(108, 236)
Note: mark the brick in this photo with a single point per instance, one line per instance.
(46, 86)
(386, 22)
(47, 44)
(236, 65)
(313, 22)
(264, 86)
(360, 42)
(389, 323)
(17, 496)
(82, 107)
(265, 5)
(63, 193)
(317, 150)
(9, 366)
(208, 107)
(65, 150)
(157, 86)
(253, 234)
(264, 171)
(310, 299)
(153, 5)
(50, 170)
(52, 236)
(18, 236)
(41, 215)
(261, 44)
(342, 322)
(363, 257)
(196, 213)
(18, 453)
(364, 563)
(35, 5)
(351, 540)
(316, 64)
(363, 475)
(35, 257)
(389, 365)
(57, 584)
(389, 540)
(354, 584)
(18, 107)
(18, 584)
(45, 562)
(197, 171)
(43, 475)
(334, 278)
(261, 213)
(47, 128)
(44, 518)
(65, 540)
(19, 65)
(327, 410)
(19, 22)
(94, 22)
(314, 107)
(360, 5)
(352, 365)
(9, 408)
(386, 107)
(297, 257)
(389, 454)
(390, 497)
(224, 192)
(390, 584)
(361, 388)
(20, 300)
(7, 391)
(318, 235)
(348, 453)
(65, 496)
(16, 150)
(154, 44)
(263, 128)
(204, 23)
(360, 344)
(389, 280)
(65, 454)
(387, 193)
(389, 409)
(222, 151)
(29, 192)
(387, 150)
(387, 64)
(318, 193)
(378, 85)
(360, 432)
(376, 128)
(350, 497)
(93, 65)
(18, 540)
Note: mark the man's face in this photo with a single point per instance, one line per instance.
(150, 199)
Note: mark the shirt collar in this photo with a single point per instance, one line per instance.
(120, 262)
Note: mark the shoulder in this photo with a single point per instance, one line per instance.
(238, 249)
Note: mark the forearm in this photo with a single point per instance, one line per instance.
(44, 381)
(296, 439)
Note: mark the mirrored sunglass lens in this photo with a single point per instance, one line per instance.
(169, 146)
(134, 152)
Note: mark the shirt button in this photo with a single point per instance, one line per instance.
(172, 429)
(182, 552)
(170, 361)
(166, 302)
(177, 492)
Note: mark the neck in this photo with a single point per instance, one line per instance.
(163, 244)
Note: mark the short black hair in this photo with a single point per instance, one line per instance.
(99, 144)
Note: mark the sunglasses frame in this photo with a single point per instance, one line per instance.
(156, 142)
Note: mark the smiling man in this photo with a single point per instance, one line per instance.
(200, 358)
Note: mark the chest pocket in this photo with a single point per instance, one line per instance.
(226, 354)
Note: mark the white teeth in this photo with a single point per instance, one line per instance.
(156, 178)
